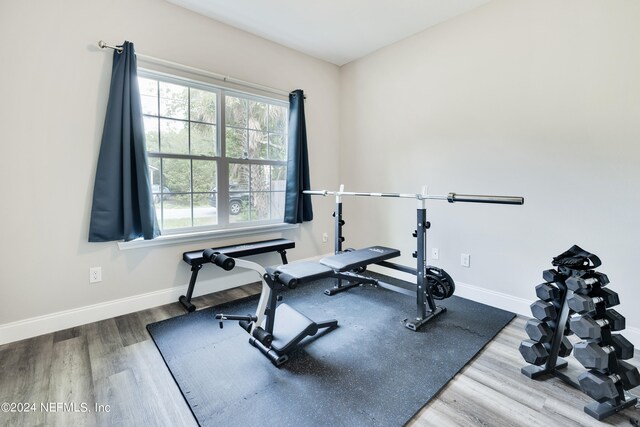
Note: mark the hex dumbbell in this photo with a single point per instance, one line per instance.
(547, 292)
(602, 387)
(537, 353)
(544, 311)
(534, 352)
(624, 349)
(595, 356)
(538, 331)
(552, 276)
(586, 303)
(565, 347)
(586, 327)
(581, 284)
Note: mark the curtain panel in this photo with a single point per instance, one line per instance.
(297, 205)
(122, 207)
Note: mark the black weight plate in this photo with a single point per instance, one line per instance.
(441, 284)
(438, 288)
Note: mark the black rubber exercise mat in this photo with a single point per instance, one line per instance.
(370, 371)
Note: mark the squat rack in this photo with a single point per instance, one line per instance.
(423, 292)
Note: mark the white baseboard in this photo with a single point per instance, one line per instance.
(500, 300)
(494, 299)
(28, 328)
(35, 326)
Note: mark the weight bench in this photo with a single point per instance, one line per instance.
(277, 338)
(196, 260)
(338, 266)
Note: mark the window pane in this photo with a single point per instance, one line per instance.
(151, 133)
(174, 137)
(260, 207)
(236, 141)
(148, 96)
(149, 105)
(212, 199)
(277, 205)
(238, 177)
(203, 106)
(260, 178)
(236, 111)
(174, 101)
(203, 212)
(277, 119)
(278, 178)
(277, 146)
(177, 211)
(257, 145)
(258, 113)
(238, 206)
(204, 176)
(203, 139)
(239, 181)
(155, 178)
(176, 174)
(148, 87)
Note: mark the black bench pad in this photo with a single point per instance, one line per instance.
(305, 271)
(346, 261)
(242, 250)
(290, 327)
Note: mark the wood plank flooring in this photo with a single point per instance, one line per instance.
(109, 373)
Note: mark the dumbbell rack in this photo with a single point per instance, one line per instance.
(558, 327)
(555, 311)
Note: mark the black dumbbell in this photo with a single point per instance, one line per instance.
(537, 353)
(587, 303)
(565, 347)
(547, 292)
(587, 282)
(538, 331)
(586, 327)
(595, 356)
(602, 387)
(533, 352)
(544, 311)
(624, 349)
(552, 276)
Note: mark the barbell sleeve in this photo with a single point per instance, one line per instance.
(478, 198)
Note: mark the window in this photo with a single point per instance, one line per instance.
(217, 157)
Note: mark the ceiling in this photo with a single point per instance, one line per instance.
(337, 31)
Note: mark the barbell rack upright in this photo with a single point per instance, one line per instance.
(426, 306)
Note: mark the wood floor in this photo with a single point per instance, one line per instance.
(109, 373)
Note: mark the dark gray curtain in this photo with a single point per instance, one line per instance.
(122, 201)
(297, 206)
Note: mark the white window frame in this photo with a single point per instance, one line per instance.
(223, 228)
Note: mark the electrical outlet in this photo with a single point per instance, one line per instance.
(465, 260)
(325, 237)
(435, 253)
(95, 274)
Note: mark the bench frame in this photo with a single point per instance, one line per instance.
(196, 260)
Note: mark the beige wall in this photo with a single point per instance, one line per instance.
(538, 98)
(54, 85)
(535, 98)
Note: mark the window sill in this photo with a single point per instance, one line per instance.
(172, 239)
